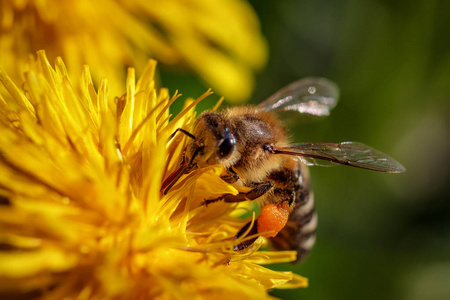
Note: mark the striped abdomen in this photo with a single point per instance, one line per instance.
(300, 231)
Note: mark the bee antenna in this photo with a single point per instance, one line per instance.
(183, 131)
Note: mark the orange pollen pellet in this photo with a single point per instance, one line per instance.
(273, 218)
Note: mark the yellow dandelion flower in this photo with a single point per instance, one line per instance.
(111, 34)
(81, 212)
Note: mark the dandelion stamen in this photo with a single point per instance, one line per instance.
(85, 217)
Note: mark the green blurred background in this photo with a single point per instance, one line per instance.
(380, 235)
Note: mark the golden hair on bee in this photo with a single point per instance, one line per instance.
(235, 138)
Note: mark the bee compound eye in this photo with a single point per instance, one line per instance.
(226, 145)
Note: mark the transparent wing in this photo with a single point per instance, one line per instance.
(316, 162)
(347, 153)
(314, 96)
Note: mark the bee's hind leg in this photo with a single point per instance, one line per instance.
(279, 196)
(246, 243)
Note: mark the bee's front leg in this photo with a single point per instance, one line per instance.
(231, 176)
(255, 193)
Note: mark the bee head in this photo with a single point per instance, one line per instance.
(214, 142)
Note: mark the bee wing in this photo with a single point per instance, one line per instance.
(347, 153)
(314, 96)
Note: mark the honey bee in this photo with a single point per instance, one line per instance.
(253, 146)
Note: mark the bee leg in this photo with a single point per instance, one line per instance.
(231, 176)
(280, 195)
(244, 244)
(227, 198)
(255, 193)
